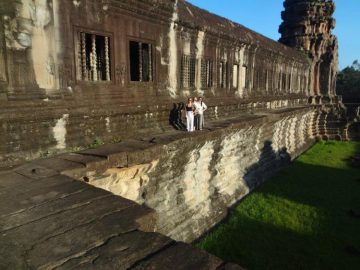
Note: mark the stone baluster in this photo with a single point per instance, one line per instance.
(107, 59)
(84, 72)
(94, 59)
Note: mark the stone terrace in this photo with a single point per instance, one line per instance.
(50, 221)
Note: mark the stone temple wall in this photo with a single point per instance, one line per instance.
(75, 71)
(193, 181)
(71, 71)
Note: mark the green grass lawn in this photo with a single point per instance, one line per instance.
(300, 219)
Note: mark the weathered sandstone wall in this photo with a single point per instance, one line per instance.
(195, 179)
(54, 96)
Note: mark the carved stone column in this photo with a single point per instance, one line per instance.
(84, 71)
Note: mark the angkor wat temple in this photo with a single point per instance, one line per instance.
(73, 71)
(118, 72)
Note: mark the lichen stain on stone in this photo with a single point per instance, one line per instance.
(173, 58)
(59, 132)
(196, 179)
(199, 56)
(233, 159)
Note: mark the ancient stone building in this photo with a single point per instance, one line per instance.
(307, 26)
(72, 71)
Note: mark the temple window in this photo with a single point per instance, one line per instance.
(206, 73)
(188, 71)
(246, 77)
(289, 82)
(95, 57)
(266, 80)
(270, 80)
(283, 82)
(257, 79)
(141, 62)
(223, 71)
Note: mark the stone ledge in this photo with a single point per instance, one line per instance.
(53, 221)
(138, 151)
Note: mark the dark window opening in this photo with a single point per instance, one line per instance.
(140, 61)
(206, 73)
(223, 75)
(283, 87)
(289, 82)
(246, 75)
(266, 80)
(94, 57)
(270, 80)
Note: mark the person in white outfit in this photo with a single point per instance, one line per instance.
(190, 115)
(200, 108)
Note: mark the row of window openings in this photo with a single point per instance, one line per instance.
(95, 59)
(284, 81)
(96, 66)
(188, 73)
(95, 63)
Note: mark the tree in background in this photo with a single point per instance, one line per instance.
(356, 65)
(348, 82)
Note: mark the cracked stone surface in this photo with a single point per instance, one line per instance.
(50, 221)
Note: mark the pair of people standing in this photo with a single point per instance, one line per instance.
(195, 109)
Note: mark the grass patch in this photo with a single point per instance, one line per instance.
(301, 219)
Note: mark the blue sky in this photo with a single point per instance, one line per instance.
(263, 16)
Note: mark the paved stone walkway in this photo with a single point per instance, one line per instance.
(51, 221)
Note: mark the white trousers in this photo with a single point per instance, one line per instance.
(190, 121)
(201, 121)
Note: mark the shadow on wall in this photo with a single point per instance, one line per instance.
(175, 118)
(270, 161)
(268, 164)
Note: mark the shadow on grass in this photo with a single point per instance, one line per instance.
(301, 219)
(260, 245)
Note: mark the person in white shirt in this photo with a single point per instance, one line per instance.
(200, 108)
